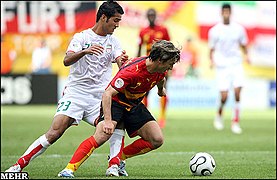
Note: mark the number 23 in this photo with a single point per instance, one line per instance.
(65, 105)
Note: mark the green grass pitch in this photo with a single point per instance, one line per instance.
(250, 155)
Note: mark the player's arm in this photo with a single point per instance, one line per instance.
(140, 42)
(243, 40)
(72, 57)
(212, 40)
(245, 52)
(211, 58)
(161, 87)
(139, 50)
(107, 104)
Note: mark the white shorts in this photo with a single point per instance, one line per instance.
(79, 105)
(229, 77)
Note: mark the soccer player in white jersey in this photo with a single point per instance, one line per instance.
(226, 40)
(90, 55)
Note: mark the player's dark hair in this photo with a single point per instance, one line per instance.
(164, 51)
(226, 6)
(109, 8)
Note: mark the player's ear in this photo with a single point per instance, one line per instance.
(103, 18)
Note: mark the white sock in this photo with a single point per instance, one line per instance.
(116, 142)
(41, 140)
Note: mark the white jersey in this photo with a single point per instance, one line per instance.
(226, 41)
(88, 77)
(92, 73)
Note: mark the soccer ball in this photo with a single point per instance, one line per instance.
(202, 164)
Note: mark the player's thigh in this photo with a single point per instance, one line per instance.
(136, 119)
(92, 111)
(151, 131)
(223, 79)
(61, 122)
(73, 106)
(238, 76)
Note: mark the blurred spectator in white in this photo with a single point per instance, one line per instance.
(41, 59)
(8, 56)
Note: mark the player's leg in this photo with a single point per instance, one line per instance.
(69, 111)
(117, 139)
(59, 125)
(223, 84)
(139, 121)
(151, 138)
(116, 166)
(236, 113)
(85, 149)
(238, 75)
(218, 121)
(223, 100)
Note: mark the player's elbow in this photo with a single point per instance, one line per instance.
(66, 62)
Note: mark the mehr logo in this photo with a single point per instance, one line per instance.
(119, 83)
(14, 175)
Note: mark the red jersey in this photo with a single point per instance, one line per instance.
(133, 81)
(150, 34)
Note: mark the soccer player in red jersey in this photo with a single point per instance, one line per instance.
(147, 36)
(121, 103)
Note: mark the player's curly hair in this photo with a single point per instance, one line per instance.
(109, 8)
(164, 51)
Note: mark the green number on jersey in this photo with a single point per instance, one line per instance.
(65, 106)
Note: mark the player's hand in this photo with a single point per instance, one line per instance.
(162, 92)
(95, 49)
(108, 127)
(122, 58)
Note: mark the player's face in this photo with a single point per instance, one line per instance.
(151, 15)
(165, 66)
(113, 23)
(226, 14)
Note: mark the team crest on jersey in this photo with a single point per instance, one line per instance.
(119, 83)
(109, 48)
